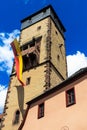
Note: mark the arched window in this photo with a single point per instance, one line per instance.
(16, 117)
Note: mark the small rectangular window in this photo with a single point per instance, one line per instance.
(32, 44)
(25, 47)
(41, 110)
(28, 81)
(70, 97)
(56, 32)
(38, 28)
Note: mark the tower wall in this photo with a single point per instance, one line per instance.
(18, 96)
(58, 55)
(42, 45)
(33, 32)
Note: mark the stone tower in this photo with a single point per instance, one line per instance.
(44, 63)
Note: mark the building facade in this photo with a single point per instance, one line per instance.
(63, 107)
(42, 44)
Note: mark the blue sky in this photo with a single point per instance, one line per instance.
(73, 14)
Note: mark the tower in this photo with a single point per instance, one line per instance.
(44, 63)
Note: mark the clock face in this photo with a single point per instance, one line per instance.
(65, 128)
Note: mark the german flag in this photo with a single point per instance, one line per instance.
(18, 60)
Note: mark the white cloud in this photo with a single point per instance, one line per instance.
(75, 62)
(6, 54)
(7, 38)
(6, 59)
(3, 91)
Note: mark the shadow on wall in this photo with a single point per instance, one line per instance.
(20, 93)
